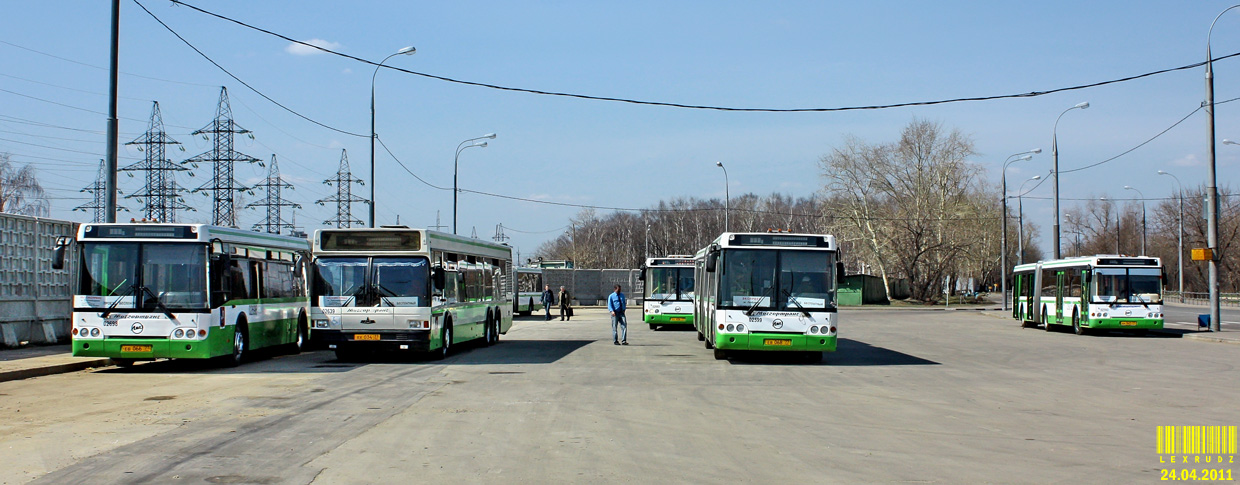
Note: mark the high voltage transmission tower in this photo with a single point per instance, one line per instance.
(272, 185)
(97, 191)
(344, 198)
(161, 197)
(223, 186)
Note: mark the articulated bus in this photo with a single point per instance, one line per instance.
(186, 291)
(768, 291)
(668, 291)
(529, 291)
(399, 289)
(1092, 292)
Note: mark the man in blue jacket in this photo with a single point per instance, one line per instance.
(616, 303)
(548, 299)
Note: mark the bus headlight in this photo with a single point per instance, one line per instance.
(740, 327)
(94, 332)
(179, 333)
(813, 329)
(731, 327)
(320, 323)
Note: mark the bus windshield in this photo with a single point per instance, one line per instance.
(348, 281)
(157, 276)
(669, 284)
(1128, 285)
(766, 279)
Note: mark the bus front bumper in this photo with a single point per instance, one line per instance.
(1123, 323)
(669, 319)
(218, 342)
(388, 341)
(775, 342)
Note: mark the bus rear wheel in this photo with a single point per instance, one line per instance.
(1046, 322)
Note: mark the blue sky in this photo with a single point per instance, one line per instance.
(743, 54)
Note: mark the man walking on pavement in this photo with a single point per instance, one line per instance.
(548, 299)
(616, 303)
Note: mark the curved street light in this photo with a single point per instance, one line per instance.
(1129, 187)
(1003, 247)
(1212, 183)
(1020, 221)
(726, 197)
(472, 142)
(1055, 168)
(409, 50)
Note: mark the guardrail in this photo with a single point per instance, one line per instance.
(1201, 298)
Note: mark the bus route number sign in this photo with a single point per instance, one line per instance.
(1203, 254)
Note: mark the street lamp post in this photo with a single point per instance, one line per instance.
(1020, 221)
(726, 197)
(472, 142)
(410, 50)
(1143, 233)
(1003, 245)
(1212, 188)
(1055, 168)
(1180, 235)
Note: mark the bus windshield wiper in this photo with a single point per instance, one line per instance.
(749, 312)
(115, 302)
(159, 303)
(794, 301)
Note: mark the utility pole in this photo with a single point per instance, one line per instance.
(344, 198)
(222, 186)
(109, 198)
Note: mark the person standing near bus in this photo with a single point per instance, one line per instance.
(566, 310)
(616, 304)
(548, 299)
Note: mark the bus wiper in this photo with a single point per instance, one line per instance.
(794, 301)
(749, 312)
(115, 302)
(159, 304)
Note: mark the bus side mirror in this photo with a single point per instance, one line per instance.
(839, 272)
(58, 259)
(643, 273)
(711, 260)
(437, 277)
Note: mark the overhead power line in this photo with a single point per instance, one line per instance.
(692, 106)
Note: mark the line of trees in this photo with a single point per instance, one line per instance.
(20, 191)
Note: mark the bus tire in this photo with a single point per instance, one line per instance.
(302, 342)
(1076, 324)
(445, 342)
(701, 337)
(721, 354)
(708, 343)
(123, 363)
(1046, 322)
(241, 343)
(488, 335)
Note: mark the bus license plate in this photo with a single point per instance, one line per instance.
(135, 348)
(778, 342)
(366, 336)
(1127, 324)
(678, 319)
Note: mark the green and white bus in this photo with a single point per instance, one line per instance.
(768, 291)
(399, 289)
(186, 291)
(1091, 292)
(668, 291)
(529, 291)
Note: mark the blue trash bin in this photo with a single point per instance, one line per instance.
(1203, 321)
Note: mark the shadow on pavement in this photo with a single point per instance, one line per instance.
(517, 352)
(848, 353)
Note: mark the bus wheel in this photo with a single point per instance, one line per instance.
(123, 363)
(488, 335)
(302, 343)
(708, 343)
(721, 354)
(445, 345)
(701, 337)
(1046, 322)
(241, 340)
(1076, 324)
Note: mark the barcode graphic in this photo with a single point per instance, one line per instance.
(1199, 440)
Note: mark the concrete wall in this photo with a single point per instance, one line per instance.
(591, 286)
(35, 301)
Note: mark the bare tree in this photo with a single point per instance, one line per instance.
(20, 191)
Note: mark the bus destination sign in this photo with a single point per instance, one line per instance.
(144, 231)
(1127, 262)
(371, 241)
(780, 240)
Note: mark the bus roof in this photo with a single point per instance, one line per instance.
(404, 240)
(203, 233)
(673, 260)
(1098, 260)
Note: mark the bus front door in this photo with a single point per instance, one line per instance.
(1059, 280)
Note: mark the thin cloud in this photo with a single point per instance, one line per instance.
(1187, 161)
(305, 50)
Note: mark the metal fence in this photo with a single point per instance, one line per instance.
(1194, 298)
(591, 286)
(34, 299)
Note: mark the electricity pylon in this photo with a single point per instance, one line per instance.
(273, 185)
(222, 186)
(344, 198)
(161, 197)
